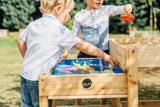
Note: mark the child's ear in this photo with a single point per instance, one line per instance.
(58, 9)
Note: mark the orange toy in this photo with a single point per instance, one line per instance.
(128, 18)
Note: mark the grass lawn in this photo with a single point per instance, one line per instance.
(10, 65)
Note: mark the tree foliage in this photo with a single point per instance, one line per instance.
(140, 11)
(16, 14)
(80, 4)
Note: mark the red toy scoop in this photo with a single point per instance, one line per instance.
(128, 18)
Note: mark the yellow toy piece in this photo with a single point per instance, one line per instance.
(84, 67)
(110, 66)
(77, 65)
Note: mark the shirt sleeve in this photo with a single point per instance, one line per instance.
(114, 10)
(24, 34)
(76, 26)
(68, 39)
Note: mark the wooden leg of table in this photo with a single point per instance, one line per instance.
(54, 104)
(132, 78)
(103, 101)
(115, 102)
(43, 101)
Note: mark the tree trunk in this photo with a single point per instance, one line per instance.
(155, 19)
(150, 4)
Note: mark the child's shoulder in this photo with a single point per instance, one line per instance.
(81, 13)
(107, 6)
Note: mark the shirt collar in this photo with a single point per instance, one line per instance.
(49, 16)
(91, 9)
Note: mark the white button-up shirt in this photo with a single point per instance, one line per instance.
(46, 38)
(94, 24)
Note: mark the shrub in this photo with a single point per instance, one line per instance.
(69, 24)
(138, 35)
(16, 14)
(147, 28)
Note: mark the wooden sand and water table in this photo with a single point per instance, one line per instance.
(133, 55)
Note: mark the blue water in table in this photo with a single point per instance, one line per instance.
(84, 66)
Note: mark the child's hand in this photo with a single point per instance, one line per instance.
(64, 55)
(109, 58)
(128, 9)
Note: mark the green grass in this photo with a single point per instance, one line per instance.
(10, 66)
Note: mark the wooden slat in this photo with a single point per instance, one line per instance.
(87, 106)
(132, 78)
(115, 102)
(148, 68)
(43, 101)
(149, 56)
(119, 52)
(88, 96)
(144, 103)
(54, 103)
(102, 84)
(138, 41)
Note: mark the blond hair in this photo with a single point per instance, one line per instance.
(48, 5)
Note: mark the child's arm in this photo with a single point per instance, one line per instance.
(118, 10)
(64, 55)
(21, 46)
(75, 30)
(93, 50)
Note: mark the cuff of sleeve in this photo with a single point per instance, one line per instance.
(78, 40)
(23, 35)
(121, 9)
(23, 38)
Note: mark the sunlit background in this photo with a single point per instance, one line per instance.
(15, 15)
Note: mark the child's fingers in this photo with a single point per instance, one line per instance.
(115, 61)
(128, 12)
(112, 63)
(128, 9)
(60, 60)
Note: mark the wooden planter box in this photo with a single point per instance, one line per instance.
(74, 87)
(115, 86)
(148, 52)
(132, 54)
(81, 86)
(148, 58)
